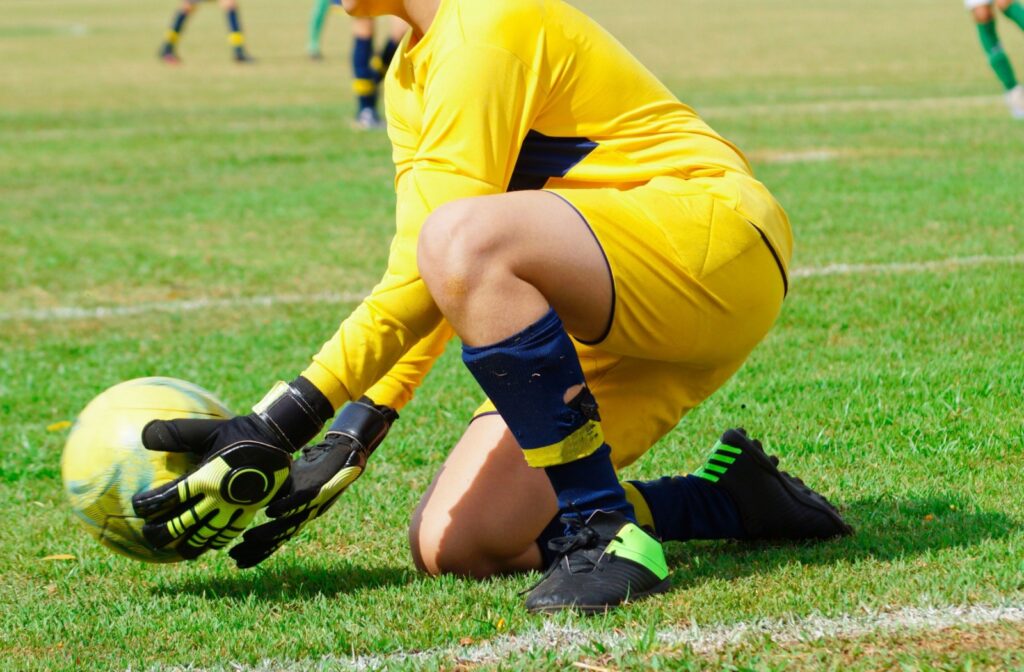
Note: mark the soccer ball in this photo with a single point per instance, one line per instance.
(104, 462)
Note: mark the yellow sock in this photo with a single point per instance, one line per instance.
(640, 507)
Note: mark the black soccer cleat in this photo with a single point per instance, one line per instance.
(772, 504)
(606, 561)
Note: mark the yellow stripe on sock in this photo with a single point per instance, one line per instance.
(236, 39)
(377, 63)
(364, 87)
(577, 445)
(172, 37)
(643, 511)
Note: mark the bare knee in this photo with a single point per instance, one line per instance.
(438, 548)
(983, 14)
(460, 242)
(1003, 5)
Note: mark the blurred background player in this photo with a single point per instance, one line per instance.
(235, 37)
(316, 26)
(997, 58)
(368, 68)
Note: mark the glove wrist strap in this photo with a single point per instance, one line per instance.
(364, 423)
(294, 411)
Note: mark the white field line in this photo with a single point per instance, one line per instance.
(852, 105)
(571, 641)
(950, 264)
(182, 306)
(806, 107)
(798, 156)
(329, 298)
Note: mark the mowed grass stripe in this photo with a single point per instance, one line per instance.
(326, 298)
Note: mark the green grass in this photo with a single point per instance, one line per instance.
(899, 395)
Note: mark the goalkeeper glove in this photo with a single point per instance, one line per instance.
(318, 478)
(244, 463)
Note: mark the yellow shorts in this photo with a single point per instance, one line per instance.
(696, 287)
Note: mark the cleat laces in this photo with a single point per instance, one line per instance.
(581, 549)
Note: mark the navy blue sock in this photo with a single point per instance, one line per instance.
(235, 37)
(179, 21)
(589, 484)
(689, 507)
(174, 32)
(388, 54)
(555, 528)
(526, 376)
(364, 82)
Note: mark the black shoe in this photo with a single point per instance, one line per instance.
(771, 503)
(167, 55)
(606, 561)
(242, 56)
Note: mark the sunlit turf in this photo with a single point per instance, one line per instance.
(898, 395)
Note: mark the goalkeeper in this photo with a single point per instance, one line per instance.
(607, 260)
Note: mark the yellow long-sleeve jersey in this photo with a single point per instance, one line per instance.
(504, 95)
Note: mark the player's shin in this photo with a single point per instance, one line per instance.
(316, 26)
(167, 52)
(997, 57)
(535, 380)
(1015, 12)
(364, 81)
(235, 36)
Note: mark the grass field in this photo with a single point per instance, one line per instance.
(145, 210)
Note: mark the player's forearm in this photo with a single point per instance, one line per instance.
(397, 387)
(372, 339)
(433, 168)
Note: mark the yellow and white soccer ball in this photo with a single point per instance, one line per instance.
(104, 462)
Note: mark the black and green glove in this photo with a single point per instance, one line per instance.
(318, 478)
(245, 462)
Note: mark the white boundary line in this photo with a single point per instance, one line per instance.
(850, 105)
(828, 106)
(572, 641)
(191, 305)
(183, 306)
(950, 264)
